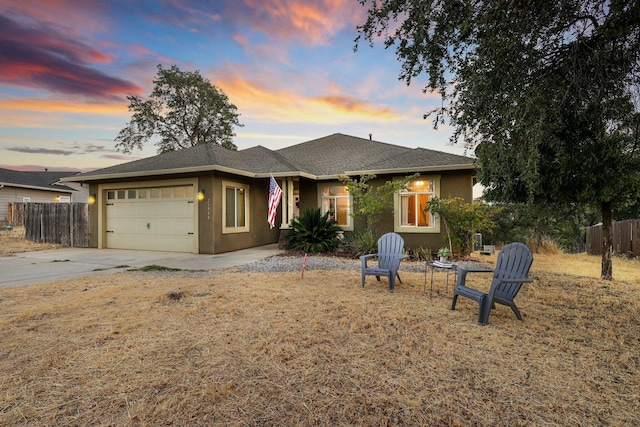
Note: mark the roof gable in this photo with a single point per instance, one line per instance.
(337, 153)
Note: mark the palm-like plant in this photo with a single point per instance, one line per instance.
(313, 232)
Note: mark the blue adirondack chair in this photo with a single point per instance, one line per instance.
(390, 253)
(512, 268)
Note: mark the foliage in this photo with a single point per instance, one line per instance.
(421, 254)
(547, 88)
(462, 220)
(313, 232)
(443, 252)
(184, 110)
(361, 243)
(564, 224)
(542, 244)
(370, 201)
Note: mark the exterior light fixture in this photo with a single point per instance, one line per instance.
(201, 194)
(92, 199)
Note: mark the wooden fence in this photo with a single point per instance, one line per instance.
(65, 224)
(626, 239)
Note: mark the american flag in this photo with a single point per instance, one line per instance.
(275, 194)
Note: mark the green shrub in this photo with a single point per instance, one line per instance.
(313, 232)
(362, 243)
(422, 254)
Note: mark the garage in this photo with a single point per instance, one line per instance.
(161, 218)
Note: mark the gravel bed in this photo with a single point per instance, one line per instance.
(277, 263)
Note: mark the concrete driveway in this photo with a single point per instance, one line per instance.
(30, 268)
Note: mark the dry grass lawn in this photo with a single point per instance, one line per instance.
(13, 242)
(255, 349)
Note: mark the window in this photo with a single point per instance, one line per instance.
(335, 199)
(235, 206)
(411, 204)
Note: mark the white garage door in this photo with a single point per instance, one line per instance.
(159, 219)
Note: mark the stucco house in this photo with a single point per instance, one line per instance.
(37, 187)
(207, 199)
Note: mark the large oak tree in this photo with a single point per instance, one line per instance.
(184, 110)
(544, 90)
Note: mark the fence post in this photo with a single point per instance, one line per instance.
(71, 216)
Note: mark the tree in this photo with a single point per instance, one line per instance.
(462, 220)
(544, 90)
(184, 110)
(369, 201)
(564, 224)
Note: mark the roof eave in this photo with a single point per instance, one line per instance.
(35, 187)
(141, 174)
(391, 171)
(288, 175)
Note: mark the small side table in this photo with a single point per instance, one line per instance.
(445, 267)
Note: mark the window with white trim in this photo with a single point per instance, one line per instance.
(235, 207)
(336, 200)
(411, 203)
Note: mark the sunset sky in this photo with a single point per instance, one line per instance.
(66, 67)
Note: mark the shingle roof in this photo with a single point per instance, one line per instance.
(323, 157)
(39, 180)
(420, 158)
(337, 153)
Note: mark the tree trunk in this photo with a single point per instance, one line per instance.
(577, 232)
(607, 239)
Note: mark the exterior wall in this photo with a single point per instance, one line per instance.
(206, 214)
(93, 216)
(259, 232)
(452, 184)
(212, 239)
(81, 195)
(15, 194)
(308, 194)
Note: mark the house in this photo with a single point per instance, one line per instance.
(37, 187)
(207, 199)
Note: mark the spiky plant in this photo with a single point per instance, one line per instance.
(313, 232)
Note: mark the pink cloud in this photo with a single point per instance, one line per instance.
(351, 105)
(257, 97)
(309, 22)
(86, 17)
(240, 39)
(44, 57)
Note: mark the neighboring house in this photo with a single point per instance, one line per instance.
(207, 199)
(37, 187)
